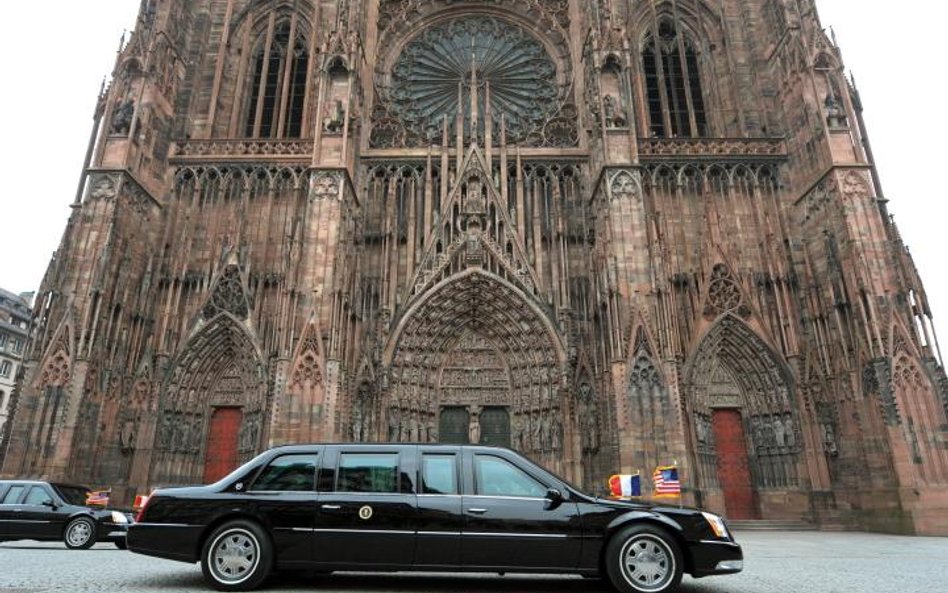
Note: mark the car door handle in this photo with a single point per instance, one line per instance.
(331, 507)
(477, 511)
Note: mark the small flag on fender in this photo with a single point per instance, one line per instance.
(666, 481)
(99, 498)
(625, 485)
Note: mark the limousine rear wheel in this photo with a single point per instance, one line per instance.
(644, 559)
(237, 556)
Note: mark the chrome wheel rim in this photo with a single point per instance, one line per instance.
(234, 556)
(647, 563)
(79, 533)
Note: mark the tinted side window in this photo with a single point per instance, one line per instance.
(368, 472)
(439, 475)
(13, 495)
(498, 477)
(38, 495)
(293, 473)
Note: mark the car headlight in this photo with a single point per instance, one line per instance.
(118, 517)
(717, 525)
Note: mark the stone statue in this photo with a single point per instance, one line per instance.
(336, 120)
(701, 429)
(357, 434)
(164, 432)
(768, 427)
(121, 123)
(614, 114)
(791, 433)
(590, 424)
(474, 428)
(556, 435)
(829, 439)
(780, 433)
(536, 442)
(127, 433)
(835, 114)
(546, 430)
(393, 428)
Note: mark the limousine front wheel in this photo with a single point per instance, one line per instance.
(643, 559)
(237, 556)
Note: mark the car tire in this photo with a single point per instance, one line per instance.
(121, 544)
(237, 556)
(80, 534)
(644, 559)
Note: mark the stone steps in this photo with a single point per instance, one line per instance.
(771, 525)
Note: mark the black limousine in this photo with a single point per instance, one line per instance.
(47, 511)
(389, 507)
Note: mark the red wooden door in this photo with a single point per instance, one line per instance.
(733, 466)
(220, 457)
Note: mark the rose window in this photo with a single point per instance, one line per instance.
(434, 73)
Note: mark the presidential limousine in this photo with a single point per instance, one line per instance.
(390, 507)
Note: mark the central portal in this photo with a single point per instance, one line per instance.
(475, 360)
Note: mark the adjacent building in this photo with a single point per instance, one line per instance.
(610, 234)
(14, 330)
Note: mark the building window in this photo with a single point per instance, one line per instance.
(3, 341)
(277, 90)
(673, 84)
(6, 367)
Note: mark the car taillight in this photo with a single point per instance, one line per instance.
(141, 511)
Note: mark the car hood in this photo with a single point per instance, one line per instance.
(642, 505)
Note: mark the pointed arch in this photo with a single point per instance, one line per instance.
(921, 416)
(732, 368)
(301, 416)
(675, 98)
(476, 340)
(277, 73)
(220, 366)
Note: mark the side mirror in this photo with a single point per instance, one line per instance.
(555, 497)
(50, 504)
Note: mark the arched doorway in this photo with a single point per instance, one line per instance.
(744, 428)
(213, 406)
(476, 349)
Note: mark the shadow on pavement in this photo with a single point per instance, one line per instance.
(417, 583)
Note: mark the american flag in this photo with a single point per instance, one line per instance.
(666, 481)
(98, 497)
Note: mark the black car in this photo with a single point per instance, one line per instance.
(48, 511)
(388, 507)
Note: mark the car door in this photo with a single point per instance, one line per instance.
(509, 520)
(6, 510)
(11, 511)
(367, 519)
(440, 519)
(40, 514)
(284, 495)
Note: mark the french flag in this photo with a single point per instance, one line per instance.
(625, 485)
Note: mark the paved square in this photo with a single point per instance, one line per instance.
(776, 562)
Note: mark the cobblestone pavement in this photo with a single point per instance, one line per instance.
(776, 562)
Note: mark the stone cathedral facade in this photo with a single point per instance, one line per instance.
(610, 234)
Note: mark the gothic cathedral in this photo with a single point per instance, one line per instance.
(610, 234)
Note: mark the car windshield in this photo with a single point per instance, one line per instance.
(72, 494)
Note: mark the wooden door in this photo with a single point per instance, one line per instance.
(733, 465)
(453, 425)
(495, 427)
(220, 457)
